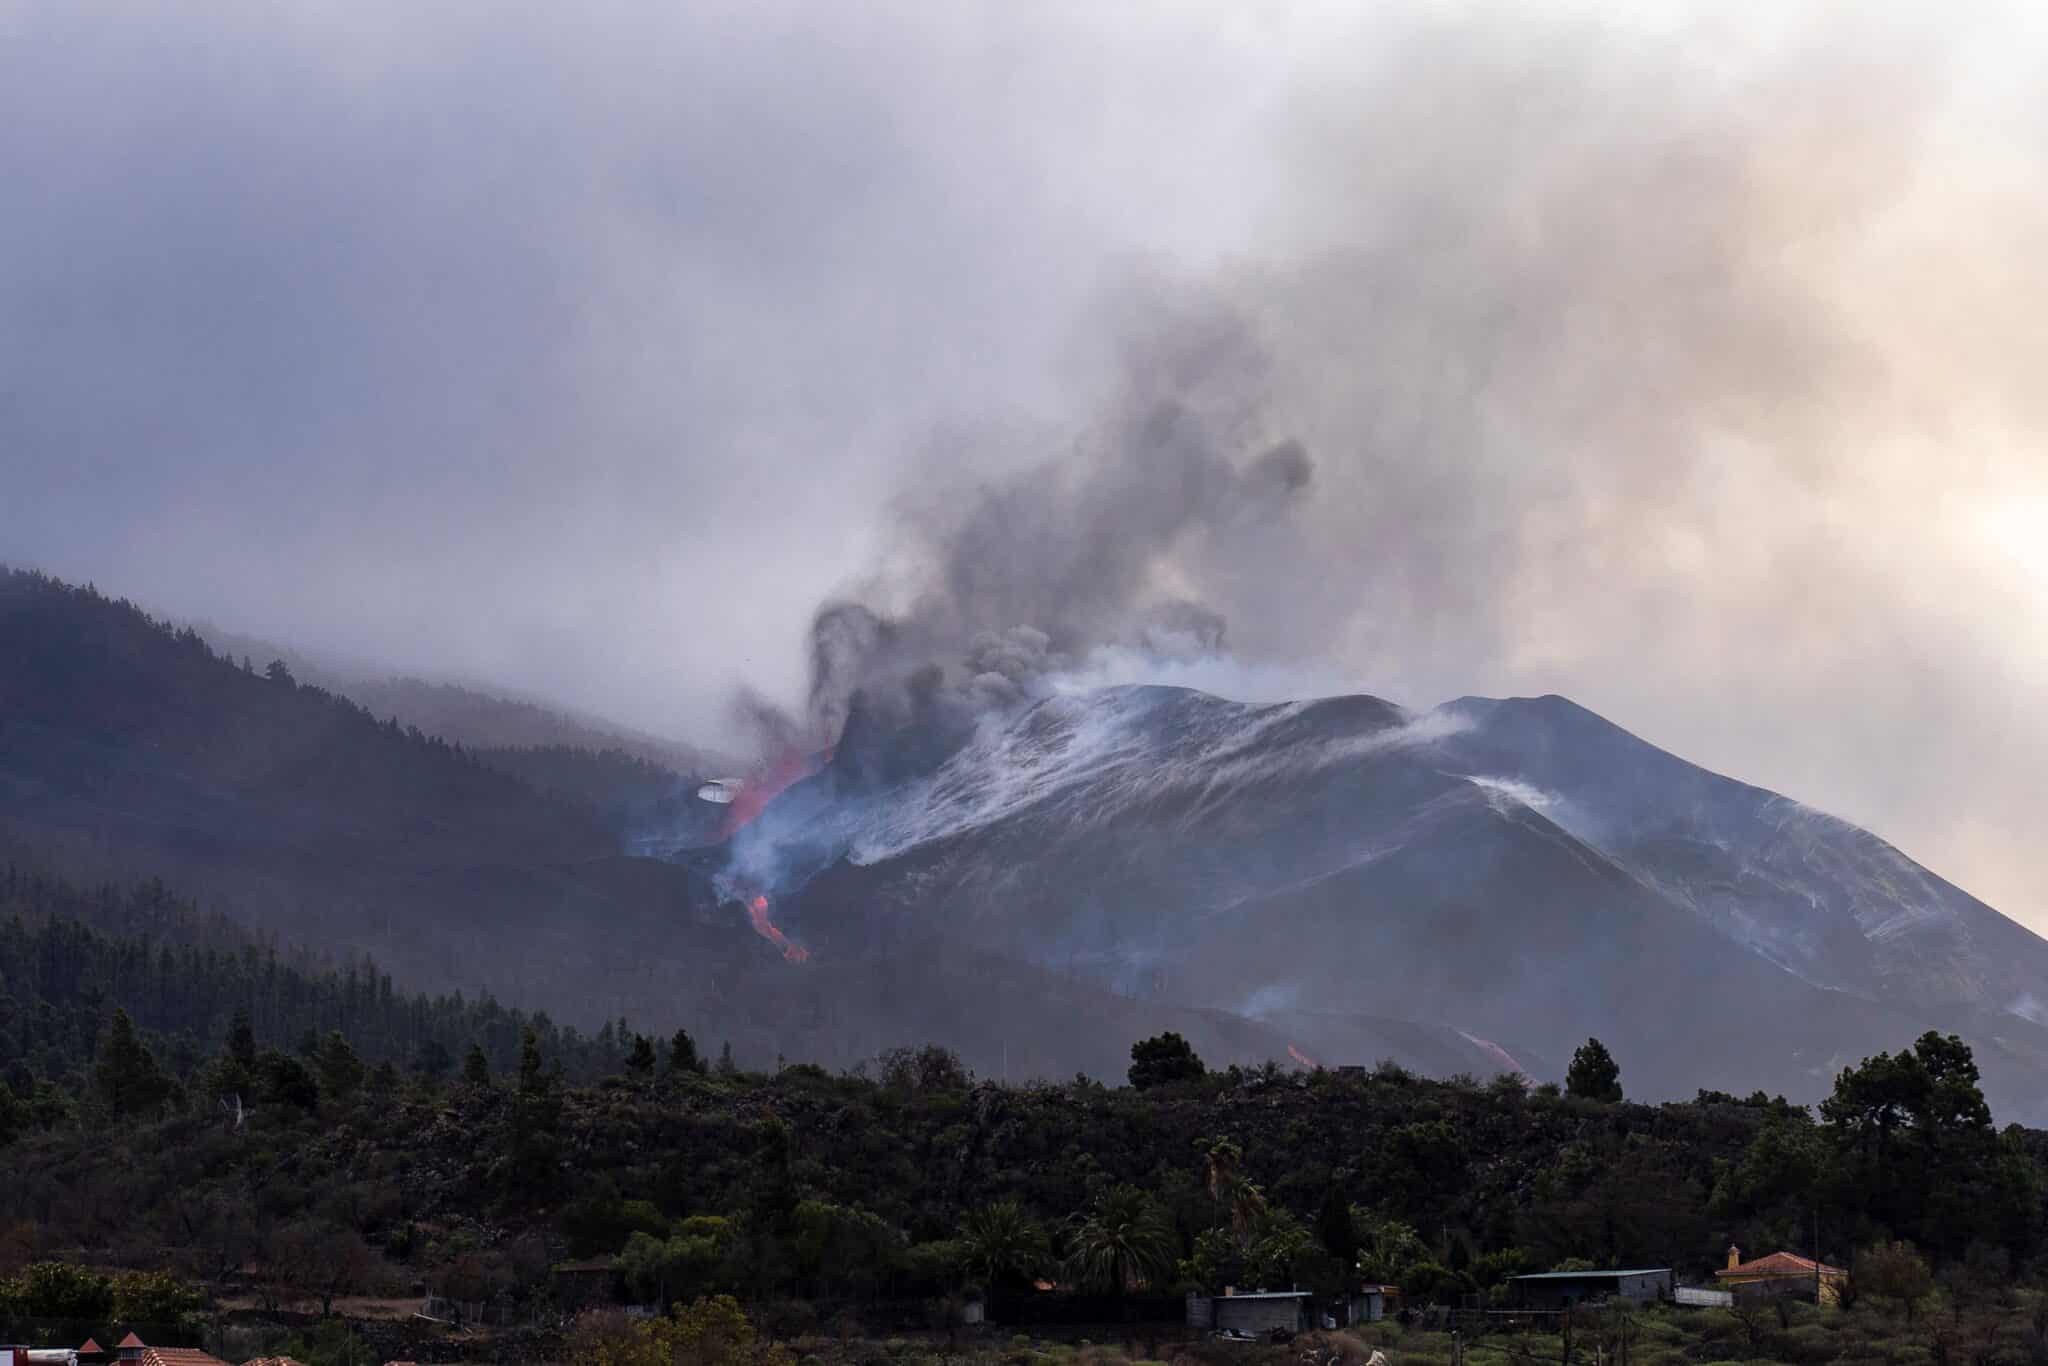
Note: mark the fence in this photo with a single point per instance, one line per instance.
(1474, 1322)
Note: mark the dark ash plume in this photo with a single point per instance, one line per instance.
(1019, 578)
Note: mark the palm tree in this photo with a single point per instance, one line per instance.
(1001, 1242)
(1230, 1188)
(1125, 1239)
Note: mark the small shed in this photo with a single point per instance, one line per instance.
(1260, 1312)
(1563, 1289)
(1367, 1304)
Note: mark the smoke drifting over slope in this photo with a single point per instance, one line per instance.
(1017, 579)
(1683, 362)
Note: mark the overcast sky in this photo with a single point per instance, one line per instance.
(1689, 363)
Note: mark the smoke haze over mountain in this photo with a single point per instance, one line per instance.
(1683, 363)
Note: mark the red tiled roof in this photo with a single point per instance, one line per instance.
(130, 1341)
(273, 1361)
(90, 1346)
(1781, 1264)
(179, 1356)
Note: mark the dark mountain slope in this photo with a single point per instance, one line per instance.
(129, 748)
(1826, 900)
(1472, 888)
(478, 719)
(126, 747)
(471, 716)
(1324, 858)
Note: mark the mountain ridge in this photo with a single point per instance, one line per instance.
(1338, 878)
(1216, 853)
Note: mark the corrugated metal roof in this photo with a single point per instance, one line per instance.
(1594, 1275)
(1265, 1295)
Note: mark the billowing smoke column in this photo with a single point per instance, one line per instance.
(1015, 579)
(1001, 586)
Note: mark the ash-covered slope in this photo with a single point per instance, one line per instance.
(1312, 861)
(1826, 900)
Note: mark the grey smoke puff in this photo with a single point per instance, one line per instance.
(1283, 470)
(1018, 654)
(1181, 630)
(1018, 578)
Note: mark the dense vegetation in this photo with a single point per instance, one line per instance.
(183, 977)
(179, 1097)
(909, 1179)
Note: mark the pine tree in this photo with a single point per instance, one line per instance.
(536, 1115)
(242, 1041)
(476, 1068)
(640, 1062)
(126, 1074)
(14, 1115)
(682, 1053)
(433, 1060)
(1166, 1058)
(341, 1071)
(1594, 1074)
(726, 1066)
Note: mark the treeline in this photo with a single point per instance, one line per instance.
(912, 1178)
(70, 957)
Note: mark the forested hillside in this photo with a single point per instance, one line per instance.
(68, 957)
(129, 751)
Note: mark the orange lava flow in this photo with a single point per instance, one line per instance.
(786, 769)
(757, 911)
(1304, 1059)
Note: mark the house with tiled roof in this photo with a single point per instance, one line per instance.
(1782, 1273)
(133, 1348)
(129, 1349)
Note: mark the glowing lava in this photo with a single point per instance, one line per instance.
(757, 911)
(1304, 1059)
(785, 770)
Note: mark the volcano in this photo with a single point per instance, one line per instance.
(1516, 874)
